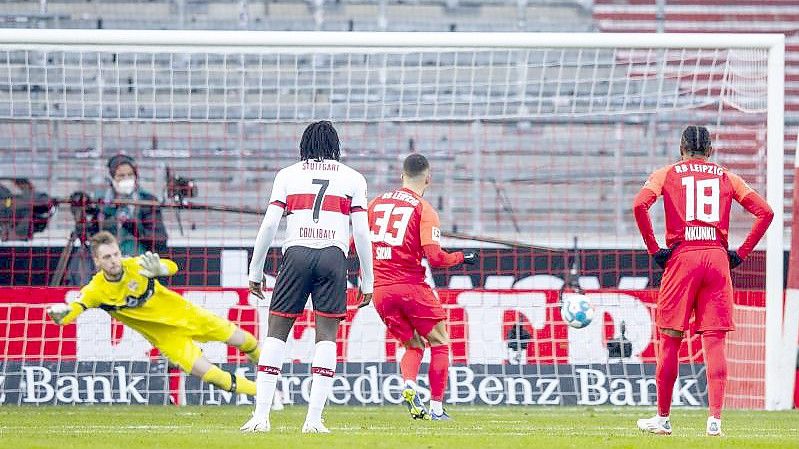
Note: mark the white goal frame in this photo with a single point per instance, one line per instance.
(780, 339)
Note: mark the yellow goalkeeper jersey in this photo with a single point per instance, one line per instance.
(135, 300)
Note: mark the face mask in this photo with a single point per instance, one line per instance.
(125, 186)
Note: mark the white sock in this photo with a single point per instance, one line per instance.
(322, 369)
(436, 407)
(273, 351)
(411, 384)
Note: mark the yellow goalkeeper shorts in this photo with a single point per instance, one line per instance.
(178, 343)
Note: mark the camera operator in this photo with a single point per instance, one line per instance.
(138, 228)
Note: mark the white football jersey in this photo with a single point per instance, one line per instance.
(318, 198)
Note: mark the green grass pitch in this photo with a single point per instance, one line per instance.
(383, 427)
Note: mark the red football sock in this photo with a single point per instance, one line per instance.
(666, 371)
(439, 371)
(174, 385)
(409, 365)
(716, 369)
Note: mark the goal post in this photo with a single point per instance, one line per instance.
(779, 345)
(519, 124)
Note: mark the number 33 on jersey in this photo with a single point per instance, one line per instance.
(401, 224)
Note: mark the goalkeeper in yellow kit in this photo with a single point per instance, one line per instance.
(127, 289)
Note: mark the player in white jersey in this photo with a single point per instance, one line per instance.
(319, 196)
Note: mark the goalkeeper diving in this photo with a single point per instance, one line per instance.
(127, 288)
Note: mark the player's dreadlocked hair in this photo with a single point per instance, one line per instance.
(320, 141)
(696, 141)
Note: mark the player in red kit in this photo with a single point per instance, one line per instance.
(697, 196)
(405, 228)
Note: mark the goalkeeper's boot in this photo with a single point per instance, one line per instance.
(256, 424)
(317, 427)
(714, 427)
(440, 417)
(659, 425)
(277, 401)
(414, 404)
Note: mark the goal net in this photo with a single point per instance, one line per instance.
(538, 143)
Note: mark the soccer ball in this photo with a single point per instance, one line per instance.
(576, 310)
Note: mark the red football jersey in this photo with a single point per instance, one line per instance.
(402, 223)
(697, 197)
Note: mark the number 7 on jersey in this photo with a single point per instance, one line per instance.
(320, 196)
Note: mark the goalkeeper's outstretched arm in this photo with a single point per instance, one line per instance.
(63, 314)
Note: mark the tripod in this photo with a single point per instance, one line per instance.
(84, 212)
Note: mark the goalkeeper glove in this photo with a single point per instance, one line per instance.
(734, 258)
(661, 257)
(470, 257)
(57, 312)
(151, 265)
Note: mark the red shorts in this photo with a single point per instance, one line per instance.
(696, 280)
(406, 308)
